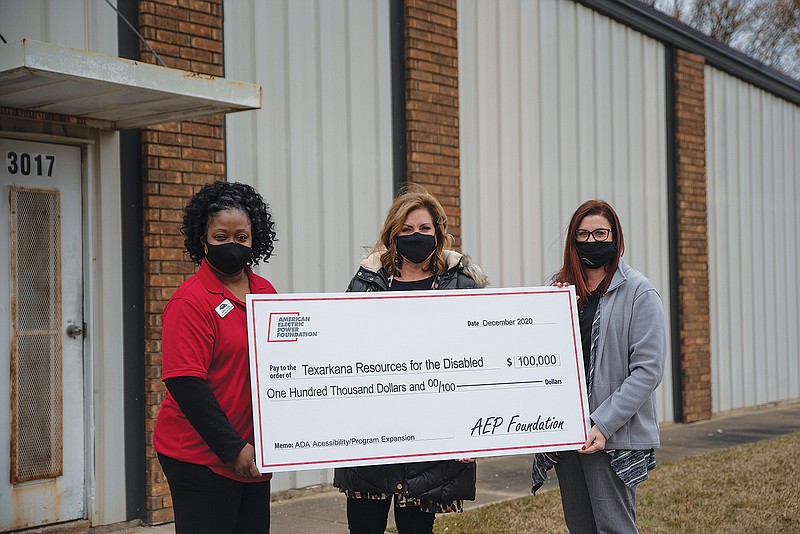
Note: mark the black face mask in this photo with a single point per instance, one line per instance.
(416, 247)
(229, 258)
(594, 254)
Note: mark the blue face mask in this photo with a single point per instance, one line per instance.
(229, 258)
(416, 247)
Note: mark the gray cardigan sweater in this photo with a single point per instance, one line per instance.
(629, 364)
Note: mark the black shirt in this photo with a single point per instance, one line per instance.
(586, 315)
(425, 283)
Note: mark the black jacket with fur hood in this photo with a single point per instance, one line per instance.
(460, 274)
(438, 481)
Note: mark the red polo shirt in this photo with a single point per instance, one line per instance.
(204, 337)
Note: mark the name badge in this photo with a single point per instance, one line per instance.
(224, 308)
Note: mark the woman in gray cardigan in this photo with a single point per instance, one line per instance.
(624, 347)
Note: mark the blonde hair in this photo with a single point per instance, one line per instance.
(410, 198)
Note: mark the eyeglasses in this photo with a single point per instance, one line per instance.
(600, 234)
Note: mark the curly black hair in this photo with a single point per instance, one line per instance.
(221, 196)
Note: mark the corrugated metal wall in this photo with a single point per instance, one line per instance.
(320, 150)
(753, 162)
(74, 23)
(558, 105)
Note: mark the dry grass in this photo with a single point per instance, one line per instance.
(752, 488)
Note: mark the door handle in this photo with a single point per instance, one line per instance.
(74, 330)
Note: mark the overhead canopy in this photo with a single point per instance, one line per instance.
(110, 92)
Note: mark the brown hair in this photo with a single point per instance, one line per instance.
(573, 271)
(410, 198)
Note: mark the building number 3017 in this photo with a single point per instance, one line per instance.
(26, 164)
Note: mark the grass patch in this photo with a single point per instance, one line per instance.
(750, 488)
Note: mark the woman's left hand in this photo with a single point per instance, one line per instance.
(595, 442)
(465, 460)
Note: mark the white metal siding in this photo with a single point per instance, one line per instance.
(559, 105)
(320, 150)
(81, 24)
(753, 165)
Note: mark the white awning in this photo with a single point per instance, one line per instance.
(110, 92)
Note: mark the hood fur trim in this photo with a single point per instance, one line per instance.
(373, 261)
(451, 258)
(474, 272)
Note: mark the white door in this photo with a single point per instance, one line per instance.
(42, 466)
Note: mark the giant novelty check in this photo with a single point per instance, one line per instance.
(347, 379)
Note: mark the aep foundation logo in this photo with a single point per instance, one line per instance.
(288, 326)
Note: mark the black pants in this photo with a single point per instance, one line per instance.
(369, 516)
(207, 503)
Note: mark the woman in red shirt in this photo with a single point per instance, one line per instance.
(204, 431)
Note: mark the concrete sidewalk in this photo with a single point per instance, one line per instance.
(504, 478)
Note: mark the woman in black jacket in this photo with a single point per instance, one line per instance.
(411, 254)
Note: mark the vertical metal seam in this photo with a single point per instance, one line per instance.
(672, 217)
(398, 92)
(133, 345)
(320, 135)
(348, 74)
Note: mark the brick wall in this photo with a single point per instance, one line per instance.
(177, 159)
(432, 103)
(693, 280)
